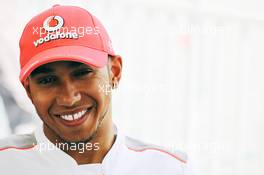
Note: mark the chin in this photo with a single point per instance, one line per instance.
(81, 135)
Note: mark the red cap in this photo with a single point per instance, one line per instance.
(63, 33)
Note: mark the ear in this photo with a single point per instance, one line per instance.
(115, 69)
(27, 88)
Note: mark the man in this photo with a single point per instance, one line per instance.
(68, 75)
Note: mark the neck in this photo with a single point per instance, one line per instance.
(102, 143)
(99, 146)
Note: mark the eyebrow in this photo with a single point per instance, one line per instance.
(46, 70)
(41, 70)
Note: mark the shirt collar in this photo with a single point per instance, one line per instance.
(46, 148)
(57, 154)
(113, 154)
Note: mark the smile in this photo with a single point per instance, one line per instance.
(71, 117)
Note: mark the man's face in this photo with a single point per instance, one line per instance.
(68, 98)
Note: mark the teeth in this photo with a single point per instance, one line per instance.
(75, 116)
(71, 117)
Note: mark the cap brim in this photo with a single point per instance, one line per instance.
(65, 53)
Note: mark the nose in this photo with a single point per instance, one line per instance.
(68, 95)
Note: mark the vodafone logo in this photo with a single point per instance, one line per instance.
(53, 23)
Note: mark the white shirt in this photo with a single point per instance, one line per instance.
(22, 154)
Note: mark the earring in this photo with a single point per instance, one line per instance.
(115, 84)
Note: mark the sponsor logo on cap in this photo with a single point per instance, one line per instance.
(52, 25)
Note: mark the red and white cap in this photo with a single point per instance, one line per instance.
(63, 33)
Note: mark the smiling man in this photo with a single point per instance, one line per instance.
(68, 69)
(73, 109)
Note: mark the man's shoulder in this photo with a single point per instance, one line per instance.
(153, 150)
(23, 141)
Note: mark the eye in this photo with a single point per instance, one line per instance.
(47, 80)
(82, 73)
